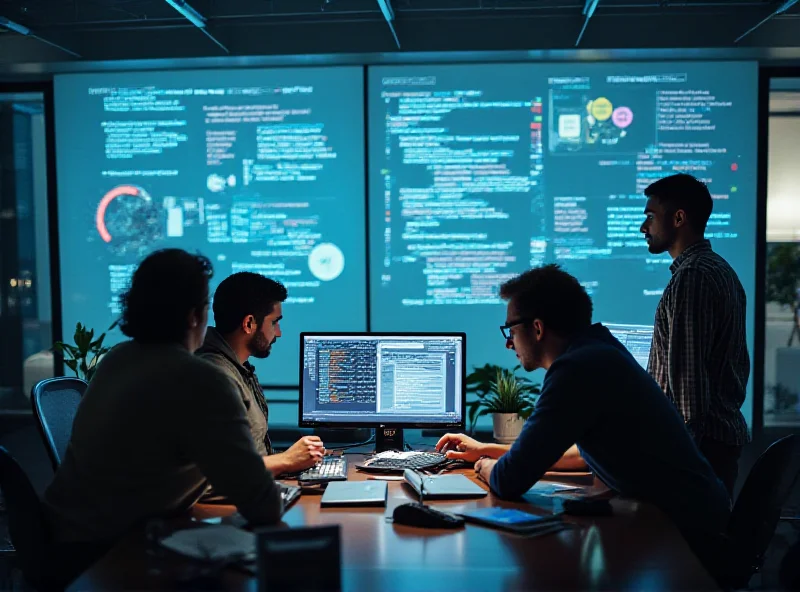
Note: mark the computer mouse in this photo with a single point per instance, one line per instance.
(416, 514)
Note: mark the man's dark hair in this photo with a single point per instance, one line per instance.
(245, 293)
(687, 193)
(166, 287)
(552, 295)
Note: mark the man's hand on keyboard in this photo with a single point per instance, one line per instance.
(303, 454)
(460, 447)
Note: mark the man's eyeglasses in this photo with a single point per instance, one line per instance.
(506, 329)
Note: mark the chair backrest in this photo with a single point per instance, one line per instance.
(55, 402)
(26, 523)
(757, 510)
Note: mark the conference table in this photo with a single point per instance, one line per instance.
(637, 548)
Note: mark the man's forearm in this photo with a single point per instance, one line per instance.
(276, 463)
(570, 461)
(494, 451)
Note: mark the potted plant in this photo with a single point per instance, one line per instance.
(508, 397)
(82, 358)
(783, 282)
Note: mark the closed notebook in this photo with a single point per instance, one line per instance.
(443, 486)
(355, 493)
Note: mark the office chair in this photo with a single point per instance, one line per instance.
(27, 527)
(757, 510)
(55, 402)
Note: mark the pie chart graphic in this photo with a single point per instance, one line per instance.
(127, 219)
(326, 261)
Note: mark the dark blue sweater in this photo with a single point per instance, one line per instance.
(597, 396)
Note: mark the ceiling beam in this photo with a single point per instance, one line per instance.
(26, 32)
(780, 10)
(197, 19)
(388, 14)
(588, 12)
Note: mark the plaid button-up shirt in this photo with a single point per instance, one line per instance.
(699, 352)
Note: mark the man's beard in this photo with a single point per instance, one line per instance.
(534, 358)
(259, 346)
(659, 245)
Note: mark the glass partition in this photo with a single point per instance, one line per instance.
(782, 330)
(25, 299)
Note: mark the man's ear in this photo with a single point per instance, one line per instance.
(538, 329)
(249, 324)
(679, 218)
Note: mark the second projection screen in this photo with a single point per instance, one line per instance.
(479, 172)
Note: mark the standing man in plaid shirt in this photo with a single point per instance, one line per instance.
(699, 353)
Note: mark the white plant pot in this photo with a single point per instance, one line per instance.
(507, 427)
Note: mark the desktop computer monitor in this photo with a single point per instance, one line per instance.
(637, 339)
(386, 381)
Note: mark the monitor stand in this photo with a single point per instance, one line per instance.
(388, 439)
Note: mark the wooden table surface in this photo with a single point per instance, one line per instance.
(636, 549)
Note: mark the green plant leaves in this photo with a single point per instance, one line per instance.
(82, 357)
(98, 343)
(498, 390)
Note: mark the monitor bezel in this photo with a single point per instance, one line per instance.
(373, 424)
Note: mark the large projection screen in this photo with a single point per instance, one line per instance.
(258, 169)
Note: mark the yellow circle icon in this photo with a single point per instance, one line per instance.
(601, 109)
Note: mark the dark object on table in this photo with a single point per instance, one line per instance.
(422, 516)
(588, 507)
(281, 550)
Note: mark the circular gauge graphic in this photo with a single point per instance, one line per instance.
(326, 262)
(128, 220)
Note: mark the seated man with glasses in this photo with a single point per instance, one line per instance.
(595, 395)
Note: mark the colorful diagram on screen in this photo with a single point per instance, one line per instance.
(581, 122)
(128, 220)
(605, 123)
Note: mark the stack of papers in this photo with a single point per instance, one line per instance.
(549, 488)
(397, 454)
